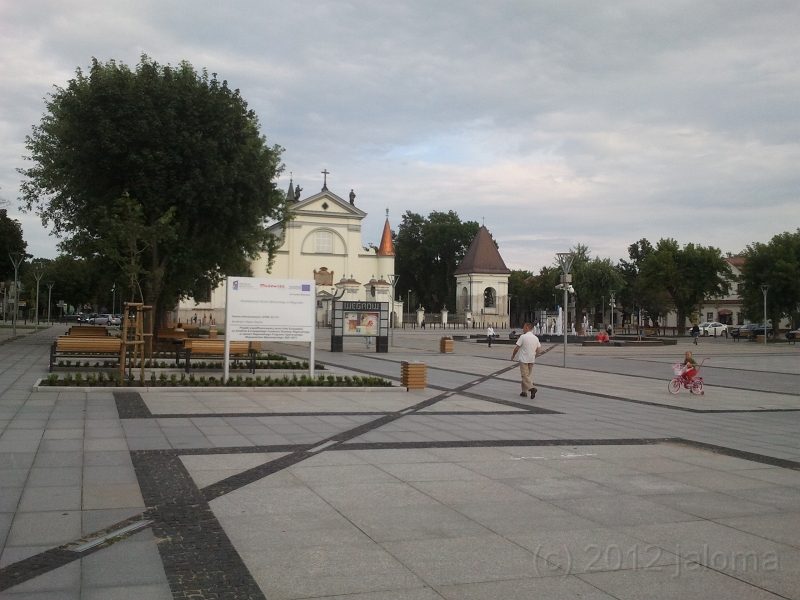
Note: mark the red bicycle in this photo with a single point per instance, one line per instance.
(695, 386)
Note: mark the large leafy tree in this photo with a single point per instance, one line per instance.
(182, 146)
(689, 275)
(776, 264)
(593, 281)
(428, 252)
(634, 294)
(11, 242)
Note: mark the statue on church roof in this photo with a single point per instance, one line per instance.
(352, 197)
(297, 191)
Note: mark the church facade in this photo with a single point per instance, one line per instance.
(322, 242)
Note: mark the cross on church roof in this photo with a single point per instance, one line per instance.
(325, 174)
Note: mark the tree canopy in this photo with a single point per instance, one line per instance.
(776, 264)
(182, 148)
(689, 275)
(11, 242)
(428, 252)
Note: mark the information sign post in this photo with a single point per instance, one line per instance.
(360, 319)
(276, 310)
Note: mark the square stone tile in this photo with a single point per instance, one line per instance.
(50, 499)
(783, 498)
(125, 495)
(711, 505)
(468, 560)
(622, 510)
(717, 481)
(45, 528)
(63, 582)
(328, 570)
(431, 471)
(131, 562)
(50, 476)
(341, 474)
(479, 491)
(561, 587)
(691, 581)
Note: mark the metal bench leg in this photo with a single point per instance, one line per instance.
(188, 354)
(53, 356)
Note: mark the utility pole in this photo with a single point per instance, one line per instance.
(393, 279)
(613, 306)
(16, 262)
(49, 299)
(765, 289)
(565, 260)
(38, 275)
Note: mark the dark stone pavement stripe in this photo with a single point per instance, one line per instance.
(199, 558)
(54, 558)
(130, 405)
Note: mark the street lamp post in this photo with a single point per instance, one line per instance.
(113, 298)
(613, 306)
(393, 280)
(408, 303)
(49, 299)
(765, 289)
(16, 262)
(38, 276)
(565, 260)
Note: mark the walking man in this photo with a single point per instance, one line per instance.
(528, 348)
(490, 335)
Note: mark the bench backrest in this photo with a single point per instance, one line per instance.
(172, 334)
(88, 331)
(215, 346)
(66, 343)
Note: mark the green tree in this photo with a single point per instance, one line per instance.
(11, 242)
(180, 143)
(689, 275)
(428, 252)
(593, 281)
(777, 264)
(634, 294)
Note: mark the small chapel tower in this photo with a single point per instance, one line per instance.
(482, 281)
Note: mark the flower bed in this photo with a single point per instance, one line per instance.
(102, 380)
(283, 365)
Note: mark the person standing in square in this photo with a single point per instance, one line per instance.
(490, 335)
(528, 348)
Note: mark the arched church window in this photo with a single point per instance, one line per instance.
(323, 242)
(464, 298)
(488, 298)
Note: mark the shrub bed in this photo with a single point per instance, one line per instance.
(102, 380)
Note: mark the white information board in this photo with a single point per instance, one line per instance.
(265, 309)
(261, 309)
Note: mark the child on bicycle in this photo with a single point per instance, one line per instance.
(691, 366)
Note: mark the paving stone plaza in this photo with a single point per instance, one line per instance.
(603, 486)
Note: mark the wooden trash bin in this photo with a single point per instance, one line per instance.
(212, 332)
(445, 345)
(412, 375)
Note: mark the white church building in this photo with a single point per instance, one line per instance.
(322, 242)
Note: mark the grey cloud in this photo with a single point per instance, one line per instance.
(561, 123)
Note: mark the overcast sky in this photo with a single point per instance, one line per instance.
(559, 122)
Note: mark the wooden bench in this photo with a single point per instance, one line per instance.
(203, 347)
(107, 347)
(594, 343)
(172, 334)
(88, 331)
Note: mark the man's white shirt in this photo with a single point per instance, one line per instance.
(528, 344)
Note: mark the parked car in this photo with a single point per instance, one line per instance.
(793, 335)
(713, 328)
(751, 330)
(115, 320)
(86, 319)
(101, 319)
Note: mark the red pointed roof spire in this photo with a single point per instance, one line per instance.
(387, 245)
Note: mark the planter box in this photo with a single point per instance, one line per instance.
(194, 389)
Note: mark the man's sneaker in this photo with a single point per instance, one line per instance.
(523, 394)
(533, 393)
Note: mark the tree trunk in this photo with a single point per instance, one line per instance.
(681, 321)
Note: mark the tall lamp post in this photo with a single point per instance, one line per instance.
(49, 299)
(393, 280)
(613, 306)
(16, 262)
(765, 289)
(38, 275)
(565, 260)
(408, 303)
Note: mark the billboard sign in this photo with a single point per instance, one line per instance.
(266, 309)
